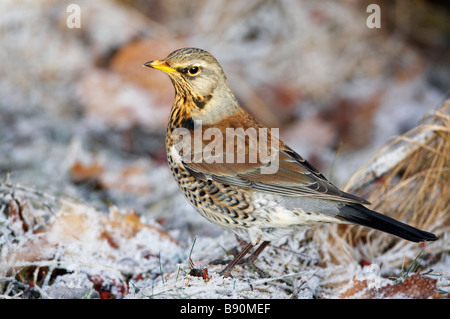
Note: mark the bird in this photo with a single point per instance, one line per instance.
(238, 195)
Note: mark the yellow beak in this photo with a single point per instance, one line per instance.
(160, 65)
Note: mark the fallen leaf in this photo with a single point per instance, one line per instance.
(81, 172)
(415, 286)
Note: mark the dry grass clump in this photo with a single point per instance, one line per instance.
(408, 180)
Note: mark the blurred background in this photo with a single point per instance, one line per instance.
(80, 116)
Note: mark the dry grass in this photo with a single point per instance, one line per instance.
(408, 180)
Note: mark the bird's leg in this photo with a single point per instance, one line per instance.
(250, 260)
(226, 271)
(258, 251)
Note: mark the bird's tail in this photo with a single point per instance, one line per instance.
(358, 214)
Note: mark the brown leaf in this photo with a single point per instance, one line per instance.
(82, 172)
(15, 212)
(357, 290)
(415, 286)
(130, 179)
(128, 61)
(130, 224)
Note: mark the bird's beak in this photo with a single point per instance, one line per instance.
(160, 65)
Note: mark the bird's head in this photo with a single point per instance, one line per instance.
(198, 79)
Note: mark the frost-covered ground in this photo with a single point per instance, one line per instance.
(90, 208)
(62, 248)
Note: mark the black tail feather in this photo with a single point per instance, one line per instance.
(361, 215)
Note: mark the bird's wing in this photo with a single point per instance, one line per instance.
(294, 177)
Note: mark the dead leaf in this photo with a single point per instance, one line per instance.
(415, 286)
(82, 172)
(130, 224)
(130, 179)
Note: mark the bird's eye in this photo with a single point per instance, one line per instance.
(194, 70)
